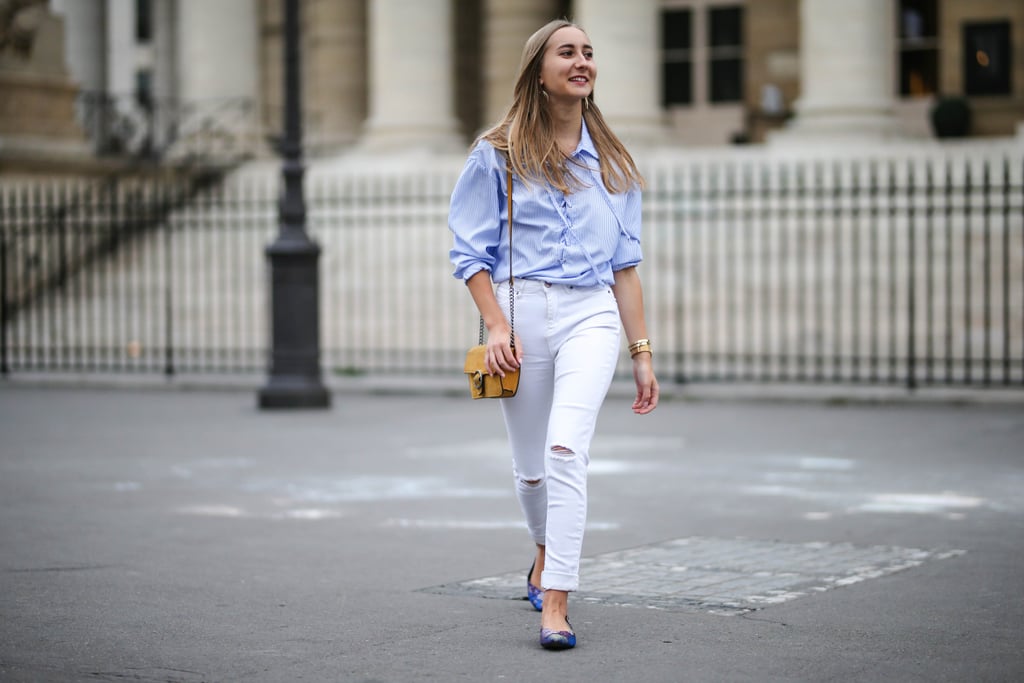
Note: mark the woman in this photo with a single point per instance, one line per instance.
(575, 248)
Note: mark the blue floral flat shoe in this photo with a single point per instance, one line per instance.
(535, 595)
(557, 640)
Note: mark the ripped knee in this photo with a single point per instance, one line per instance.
(530, 483)
(562, 451)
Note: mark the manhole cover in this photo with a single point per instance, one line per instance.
(721, 576)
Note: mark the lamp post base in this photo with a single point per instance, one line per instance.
(294, 377)
(294, 392)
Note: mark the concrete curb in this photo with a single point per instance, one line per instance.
(621, 389)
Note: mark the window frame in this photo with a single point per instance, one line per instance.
(702, 55)
(725, 54)
(927, 46)
(677, 56)
(144, 27)
(1004, 26)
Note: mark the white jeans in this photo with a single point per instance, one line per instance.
(570, 338)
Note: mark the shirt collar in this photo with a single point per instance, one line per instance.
(586, 143)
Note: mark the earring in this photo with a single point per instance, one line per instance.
(586, 103)
(545, 94)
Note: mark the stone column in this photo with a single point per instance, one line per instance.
(507, 25)
(164, 76)
(84, 41)
(121, 58)
(846, 72)
(216, 55)
(164, 46)
(412, 100)
(85, 45)
(216, 49)
(334, 73)
(626, 43)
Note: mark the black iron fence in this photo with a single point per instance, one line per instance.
(878, 269)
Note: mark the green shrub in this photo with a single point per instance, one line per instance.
(951, 117)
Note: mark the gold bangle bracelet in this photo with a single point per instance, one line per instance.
(638, 343)
(643, 348)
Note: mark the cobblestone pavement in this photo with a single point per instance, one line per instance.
(718, 576)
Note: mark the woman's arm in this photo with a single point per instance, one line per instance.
(630, 297)
(499, 357)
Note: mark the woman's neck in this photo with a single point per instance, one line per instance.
(568, 125)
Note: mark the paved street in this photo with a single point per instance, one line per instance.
(171, 535)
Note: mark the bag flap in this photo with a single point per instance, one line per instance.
(475, 359)
(510, 382)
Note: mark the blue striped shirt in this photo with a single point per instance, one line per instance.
(577, 239)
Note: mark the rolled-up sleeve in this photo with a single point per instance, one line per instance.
(474, 218)
(628, 252)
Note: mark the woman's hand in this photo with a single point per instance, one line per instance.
(500, 357)
(630, 298)
(646, 384)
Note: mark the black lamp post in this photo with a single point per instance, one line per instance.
(294, 380)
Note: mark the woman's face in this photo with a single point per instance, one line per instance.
(568, 70)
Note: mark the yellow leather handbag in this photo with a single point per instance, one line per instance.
(481, 384)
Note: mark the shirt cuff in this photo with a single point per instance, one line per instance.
(470, 271)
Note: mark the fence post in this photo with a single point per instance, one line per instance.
(5, 369)
(172, 186)
(911, 279)
(1007, 319)
(986, 281)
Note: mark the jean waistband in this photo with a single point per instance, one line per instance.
(523, 284)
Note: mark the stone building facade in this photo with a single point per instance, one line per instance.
(383, 75)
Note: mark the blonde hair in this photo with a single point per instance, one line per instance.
(526, 134)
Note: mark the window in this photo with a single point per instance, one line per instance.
(725, 63)
(144, 88)
(677, 57)
(918, 48)
(987, 58)
(143, 21)
(702, 55)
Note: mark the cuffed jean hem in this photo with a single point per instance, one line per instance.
(557, 581)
